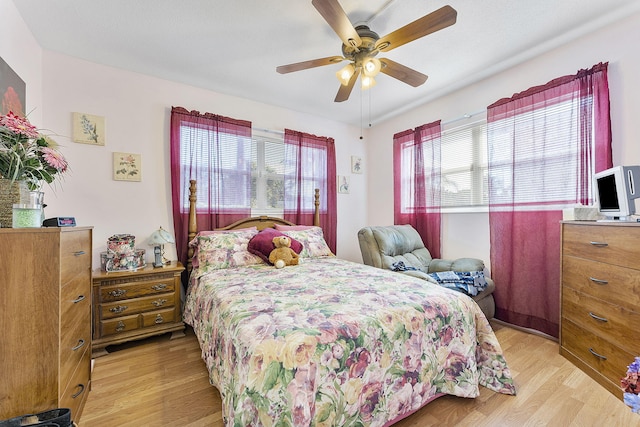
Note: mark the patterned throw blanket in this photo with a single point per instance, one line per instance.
(468, 282)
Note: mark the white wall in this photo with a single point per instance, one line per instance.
(137, 111)
(468, 234)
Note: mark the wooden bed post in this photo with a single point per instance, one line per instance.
(316, 213)
(193, 226)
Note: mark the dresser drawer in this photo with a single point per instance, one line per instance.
(600, 354)
(158, 317)
(75, 254)
(136, 305)
(75, 393)
(616, 245)
(618, 285)
(602, 319)
(119, 325)
(127, 290)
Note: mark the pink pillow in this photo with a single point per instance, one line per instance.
(261, 244)
(292, 227)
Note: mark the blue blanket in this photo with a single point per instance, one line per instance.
(469, 282)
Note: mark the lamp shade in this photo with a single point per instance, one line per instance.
(161, 237)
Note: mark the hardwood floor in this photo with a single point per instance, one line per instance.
(161, 382)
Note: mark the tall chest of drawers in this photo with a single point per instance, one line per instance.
(45, 319)
(600, 310)
(132, 305)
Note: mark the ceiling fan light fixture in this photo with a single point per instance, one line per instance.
(371, 67)
(367, 82)
(345, 74)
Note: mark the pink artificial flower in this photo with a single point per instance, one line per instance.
(54, 159)
(19, 125)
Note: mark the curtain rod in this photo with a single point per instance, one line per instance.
(276, 132)
(464, 117)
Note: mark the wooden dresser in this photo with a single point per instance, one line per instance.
(600, 301)
(131, 305)
(45, 318)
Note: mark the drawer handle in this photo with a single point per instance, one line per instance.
(159, 286)
(81, 386)
(117, 292)
(118, 309)
(79, 345)
(78, 253)
(597, 355)
(598, 318)
(599, 281)
(77, 300)
(159, 302)
(600, 244)
(159, 319)
(120, 326)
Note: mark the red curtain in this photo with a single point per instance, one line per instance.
(216, 152)
(417, 182)
(310, 163)
(544, 145)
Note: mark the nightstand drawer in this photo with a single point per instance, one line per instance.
(158, 317)
(124, 291)
(120, 325)
(600, 354)
(602, 319)
(136, 305)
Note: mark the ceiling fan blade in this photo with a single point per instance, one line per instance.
(298, 66)
(336, 17)
(441, 18)
(345, 90)
(402, 73)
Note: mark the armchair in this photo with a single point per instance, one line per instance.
(383, 246)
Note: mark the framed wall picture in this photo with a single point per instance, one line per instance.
(343, 184)
(356, 164)
(88, 129)
(127, 167)
(13, 91)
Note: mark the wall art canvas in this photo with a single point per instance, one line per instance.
(356, 164)
(12, 90)
(88, 129)
(127, 167)
(343, 184)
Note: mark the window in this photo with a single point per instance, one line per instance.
(464, 177)
(267, 176)
(542, 142)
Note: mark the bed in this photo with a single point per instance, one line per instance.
(329, 342)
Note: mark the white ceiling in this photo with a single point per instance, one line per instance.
(234, 46)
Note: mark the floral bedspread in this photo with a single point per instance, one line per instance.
(336, 343)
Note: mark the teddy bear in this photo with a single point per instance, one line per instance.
(283, 254)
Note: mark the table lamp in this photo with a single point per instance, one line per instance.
(158, 239)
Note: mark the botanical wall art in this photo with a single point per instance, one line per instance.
(127, 167)
(343, 184)
(88, 129)
(12, 90)
(356, 164)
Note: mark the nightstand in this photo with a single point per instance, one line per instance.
(131, 305)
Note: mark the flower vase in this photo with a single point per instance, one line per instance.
(10, 194)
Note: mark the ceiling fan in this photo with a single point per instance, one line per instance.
(360, 45)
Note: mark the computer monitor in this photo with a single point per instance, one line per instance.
(616, 191)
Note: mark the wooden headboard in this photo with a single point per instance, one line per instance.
(261, 222)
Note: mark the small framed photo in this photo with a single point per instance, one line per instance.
(356, 164)
(88, 129)
(343, 184)
(127, 167)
